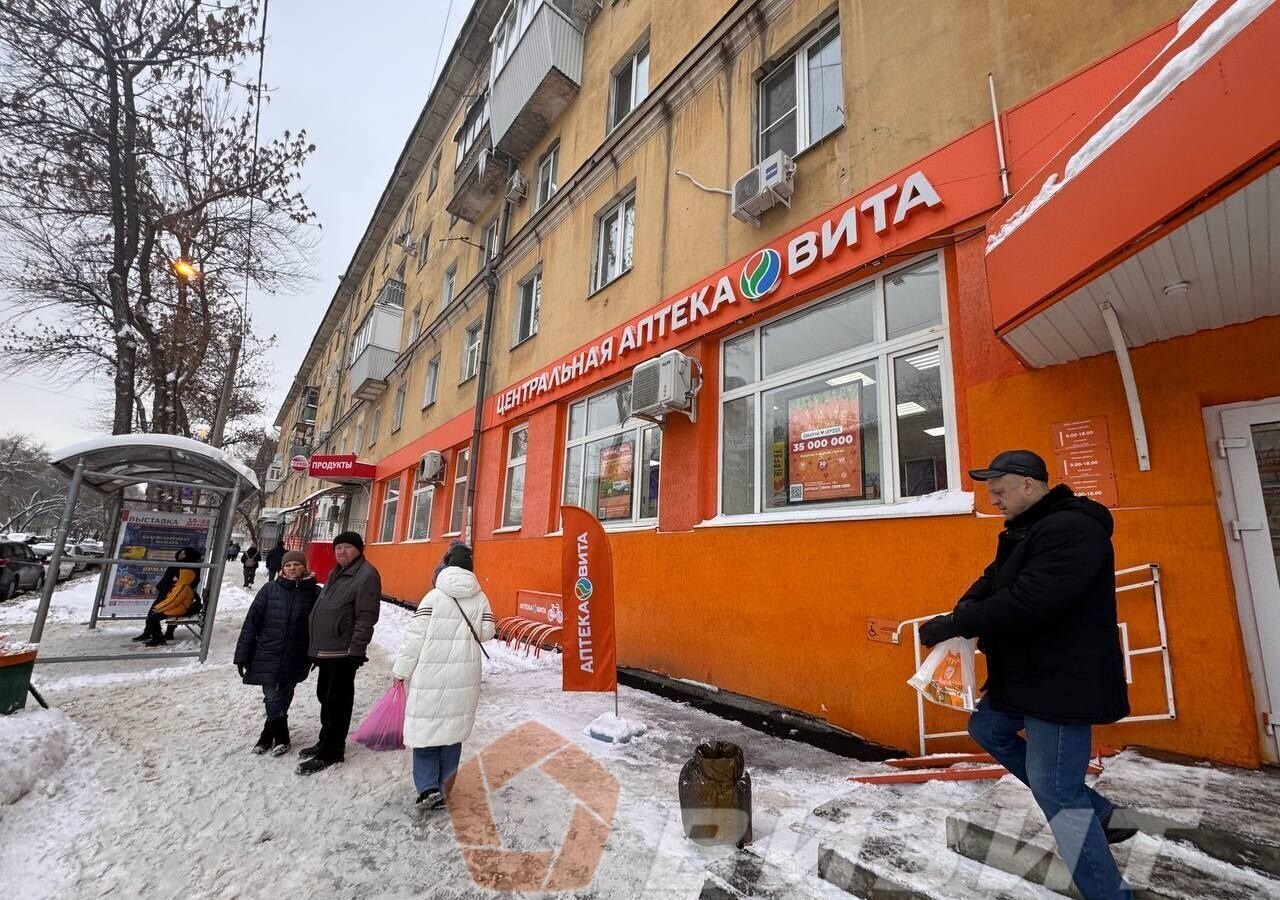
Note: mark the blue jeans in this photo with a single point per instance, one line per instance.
(1052, 761)
(434, 767)
(276, 698)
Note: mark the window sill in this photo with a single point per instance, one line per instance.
(465, 380)
(608, 284)
(451, 534)
(427, 406)
(524, 340)
(425, 540)
(507, 529)
(943, 503)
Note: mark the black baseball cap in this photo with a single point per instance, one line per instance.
(1013, 462)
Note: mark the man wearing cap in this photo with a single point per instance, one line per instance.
(1044, 614)
(341, 628)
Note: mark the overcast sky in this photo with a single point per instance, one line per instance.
(356, 77)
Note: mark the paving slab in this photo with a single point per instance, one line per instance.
(747, 875)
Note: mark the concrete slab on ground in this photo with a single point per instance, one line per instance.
(747, 875)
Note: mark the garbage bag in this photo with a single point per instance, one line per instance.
(383, 727)
(946, 677)
(715, 795)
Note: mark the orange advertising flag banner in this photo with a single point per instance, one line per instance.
(590, 652)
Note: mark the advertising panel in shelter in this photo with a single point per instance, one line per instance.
(153, 539)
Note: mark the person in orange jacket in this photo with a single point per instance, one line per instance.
(175, 595)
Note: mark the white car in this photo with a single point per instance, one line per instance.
(66, 567)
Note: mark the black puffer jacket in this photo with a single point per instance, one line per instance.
(1045, 614)
(273, 639)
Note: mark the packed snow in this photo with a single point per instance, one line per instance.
(614, 729)
(36, 744)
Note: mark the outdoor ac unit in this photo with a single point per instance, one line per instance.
(662, 385)
(431, 467)
(409, 242)
(517, 187)
(763, 186)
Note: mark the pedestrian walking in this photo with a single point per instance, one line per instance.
(233, 550)
(250, 559)
(341, 627)
(440, 660)
(272, 650)
(175, 596)
(1044, 613)
(275, 559)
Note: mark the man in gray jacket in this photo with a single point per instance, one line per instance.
(341, 628)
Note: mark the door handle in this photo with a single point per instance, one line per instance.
(1238, 528)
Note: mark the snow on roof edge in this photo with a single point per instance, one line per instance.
(169, 441)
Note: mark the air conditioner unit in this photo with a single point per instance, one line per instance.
(663, 385)
(409, 242)
(431, 467)
(764, 186)
(517, 188)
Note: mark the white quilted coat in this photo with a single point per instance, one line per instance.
(440, 661)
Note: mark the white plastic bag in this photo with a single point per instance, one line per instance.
(946, 677)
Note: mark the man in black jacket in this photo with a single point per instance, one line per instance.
(275, 559)
(1044, 613)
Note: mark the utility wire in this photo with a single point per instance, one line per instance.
(253, 165)
(435, 68)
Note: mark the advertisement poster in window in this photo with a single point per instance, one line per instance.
(824, 459)
(617, 468)
(151, 536)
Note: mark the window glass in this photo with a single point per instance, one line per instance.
(609, 409)
(611, 468)
(650, 469)
(830, 327)
(513, 499)
(420, 518)
(740, 361)
(577, 420)
(641, 78)
(459, 509)
(622, 94)
(390, 504)
(528, 308)
(814, 73)
(610, 477)
(778, 111)
(573, 477)
(738, 440)
(913, 299)
(921, 426)
(825, 90)
(432, 381)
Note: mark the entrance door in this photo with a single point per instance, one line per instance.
(1249, 442)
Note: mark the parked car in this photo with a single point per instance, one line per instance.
(19, 569)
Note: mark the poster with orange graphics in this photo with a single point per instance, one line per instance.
(824, 459)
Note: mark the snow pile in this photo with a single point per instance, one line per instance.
(505, 660)
(34, 745)
(71, 603)
(1178, 69)
(614, 729)
(14, 647)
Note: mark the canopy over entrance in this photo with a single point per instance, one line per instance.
(209, 484)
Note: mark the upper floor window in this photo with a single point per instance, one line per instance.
(471, 351)
(432, 382)
(424, 247)
(615, 233)
(374, 425)
(406, 224)
(489, 241)
(526, 324)
(630, 86)
(611, 465)
(397, 410)
(310, 404)
(434, 178)
(386, 255)
(842, 403)
(357, 435)
(472, 126)
(546, 177)
(801, 101)
(513, 491)
(415, 323)
(446, 288)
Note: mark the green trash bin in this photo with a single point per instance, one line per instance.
(15, 678)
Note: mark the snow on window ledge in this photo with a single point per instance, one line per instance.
(507, 529)
(942, 503)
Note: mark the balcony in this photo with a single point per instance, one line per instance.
(376, 345)
(392, 294)
(537, 79)
(479, 179)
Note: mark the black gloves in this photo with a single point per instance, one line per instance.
(938, 629)
(358, 661)
(242, 669)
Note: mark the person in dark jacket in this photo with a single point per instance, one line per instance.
(272, 650)
(250, 559)
(275, 559)
(176, 595)
(1044, 614)
(341, 629)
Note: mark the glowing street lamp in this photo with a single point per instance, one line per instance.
(185, 270)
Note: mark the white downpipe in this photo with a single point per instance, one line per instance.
(1130, 385)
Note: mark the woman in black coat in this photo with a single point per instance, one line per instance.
(272, 650)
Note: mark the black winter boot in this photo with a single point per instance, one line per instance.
(264, 739)
(280, 736)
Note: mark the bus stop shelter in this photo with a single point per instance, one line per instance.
(197, 476)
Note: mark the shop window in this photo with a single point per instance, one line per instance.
(420, 513)
(611, 464)
(513, 492)
(397, 410)
(630, 86)
(458, 509)
(390, 504)
(801, 99)
(546, 177)
(804, 398)
(615, 234)
(526, 324)
(431, 382)
(471, 351)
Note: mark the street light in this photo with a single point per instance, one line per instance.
(185, 269)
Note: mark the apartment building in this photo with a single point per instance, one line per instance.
(884, 241)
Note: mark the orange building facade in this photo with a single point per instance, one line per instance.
(1092, 273)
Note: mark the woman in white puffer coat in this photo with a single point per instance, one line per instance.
(440, 660)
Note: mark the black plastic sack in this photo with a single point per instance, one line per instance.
(715, 795)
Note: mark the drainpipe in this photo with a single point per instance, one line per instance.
(482, 370)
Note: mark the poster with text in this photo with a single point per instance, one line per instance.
(824, 456)
(617, 467)
(153, 539)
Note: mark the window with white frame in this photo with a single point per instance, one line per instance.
(458, 508)
(844, 402)
(530, 299)
(472, 127)
(513, 491)
(390, 506)
(386, 255)
(802, 99)
(630, 86)
(424, 247)
(374, 424)
(615, 233)
(471, 351)
(611, 465)
(434, 178)
(420, 512)
(406, 224)
(415, 323)
(446, 289)
(397, 410)
(547, 177)
(432, 382)
(489, 241)
(358, 434)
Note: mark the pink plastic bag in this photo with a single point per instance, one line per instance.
(383, 727)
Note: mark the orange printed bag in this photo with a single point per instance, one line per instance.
(947, 675)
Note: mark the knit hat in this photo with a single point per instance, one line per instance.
(459, 555)
(350, 537)
(293, 556)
